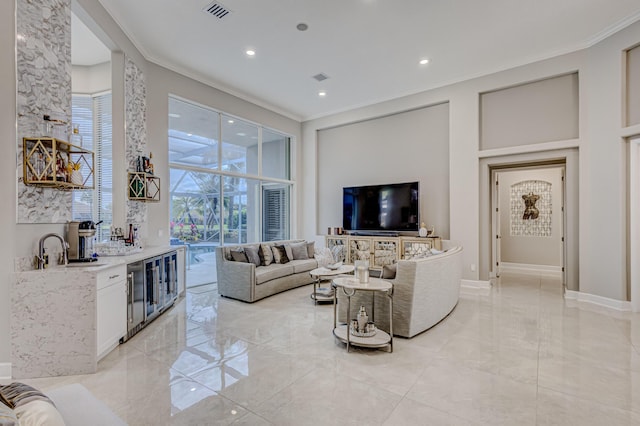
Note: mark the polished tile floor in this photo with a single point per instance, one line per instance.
(517, 354)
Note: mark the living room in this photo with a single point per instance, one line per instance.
(600, 151)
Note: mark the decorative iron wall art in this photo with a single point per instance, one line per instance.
(530, 205)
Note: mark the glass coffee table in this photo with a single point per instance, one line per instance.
(325, 294)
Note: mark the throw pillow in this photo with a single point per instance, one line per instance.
(287, 249)
(389, 271)
(299, 250)
(239, 256)
(37, 413)
(252, 255)
(31, 407)
(266, 254)
(324, 257)
(311, 249)
(280, 254)
(7, 416)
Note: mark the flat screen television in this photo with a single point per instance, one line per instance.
(390, 207)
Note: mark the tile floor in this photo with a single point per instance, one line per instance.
(517, 354)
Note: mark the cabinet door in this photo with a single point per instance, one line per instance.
(112, 316)
(360, 249)
(385, 252)
(416, 248)
(338, 247)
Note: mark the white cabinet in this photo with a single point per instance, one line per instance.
(111, 309)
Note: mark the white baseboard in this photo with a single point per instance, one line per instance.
(543, 270)
(5, 371)
(618, 305)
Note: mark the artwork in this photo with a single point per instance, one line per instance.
(530, 209)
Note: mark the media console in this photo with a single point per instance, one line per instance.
(381, 250)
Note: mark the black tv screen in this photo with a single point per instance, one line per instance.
(391, 207)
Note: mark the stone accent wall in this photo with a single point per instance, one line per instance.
(43, 61)
(135, 99)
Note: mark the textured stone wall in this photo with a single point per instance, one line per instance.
(43, 61)
(136, 133)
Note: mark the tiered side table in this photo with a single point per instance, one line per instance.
(325, 294)
(349, 286)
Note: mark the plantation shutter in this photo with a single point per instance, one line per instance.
(275, 202)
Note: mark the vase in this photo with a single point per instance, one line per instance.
(76, 178)
(423, 230)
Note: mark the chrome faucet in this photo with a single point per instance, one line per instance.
(63, 243)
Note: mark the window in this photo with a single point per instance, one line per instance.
(235, 191)
(92, 115)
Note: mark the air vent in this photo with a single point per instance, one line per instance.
(321, 77)
(216, 9)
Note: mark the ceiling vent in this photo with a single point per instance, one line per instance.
(321, 77)
(216, 9)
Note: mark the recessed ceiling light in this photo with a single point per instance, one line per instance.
(250, 52)
(322, 93)
(424, 61)
(173, 115)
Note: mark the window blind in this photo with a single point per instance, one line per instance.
(92, 115)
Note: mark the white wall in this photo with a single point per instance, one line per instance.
(405, 147)
(602, 158)
(91, 79)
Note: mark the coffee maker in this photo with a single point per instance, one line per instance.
(80, 236)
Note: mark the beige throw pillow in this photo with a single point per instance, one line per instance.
(266, 255)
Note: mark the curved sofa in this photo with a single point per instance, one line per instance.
(249, 283)
(424, 292)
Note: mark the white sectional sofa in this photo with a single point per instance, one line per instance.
(246, 281)
(424, 292)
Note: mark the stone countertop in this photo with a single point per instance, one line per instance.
(106, 262)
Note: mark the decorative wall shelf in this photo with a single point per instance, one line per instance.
(143, 186)
(49, 162)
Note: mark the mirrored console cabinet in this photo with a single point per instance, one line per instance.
(380, 250)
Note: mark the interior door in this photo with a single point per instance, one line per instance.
(495, 230)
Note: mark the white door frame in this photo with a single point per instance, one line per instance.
(496, 237)
(634, 221)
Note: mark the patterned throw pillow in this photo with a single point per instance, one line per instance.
(266, 255)
(280, 254)
(299, 250)
(7, 416)
(30, 406)
(239, 256)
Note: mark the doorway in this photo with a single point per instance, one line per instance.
(569, 157)
(528, 219)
